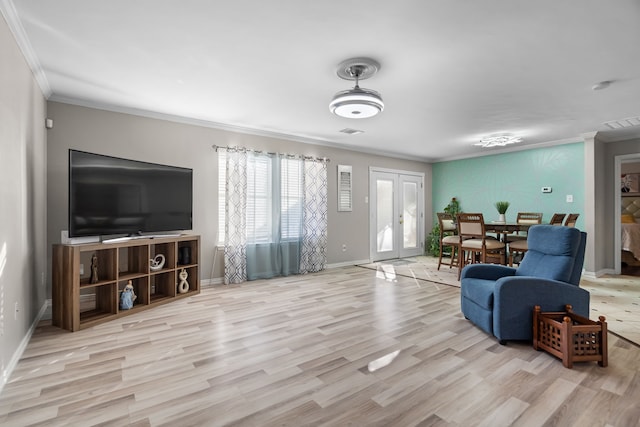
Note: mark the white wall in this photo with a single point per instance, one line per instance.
(170, 142)
(22, 201)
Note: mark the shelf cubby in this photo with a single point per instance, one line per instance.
(105, 265)
(187, 253)
(133, 261)
(97, 302)
(162, 286)
(168, 250)
(194, 285)
(140, 288)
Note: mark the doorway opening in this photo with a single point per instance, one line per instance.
(627, 205)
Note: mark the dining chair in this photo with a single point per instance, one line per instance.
(557, 219)
(571, 220)
(475, 242)
(529, 218)
(448, 238)
(516, 251)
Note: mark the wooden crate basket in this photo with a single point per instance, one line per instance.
(570, 337)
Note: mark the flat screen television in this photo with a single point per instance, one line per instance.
(109, 196)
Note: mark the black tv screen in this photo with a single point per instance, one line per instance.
(110, 195)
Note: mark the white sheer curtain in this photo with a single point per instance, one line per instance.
(273, 249)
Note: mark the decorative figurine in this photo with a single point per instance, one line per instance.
(127, 297)
(157, 262)
(183, 287)
(94, 269)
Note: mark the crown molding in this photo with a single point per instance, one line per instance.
(15, 25)
(493, 152)
(230, 128)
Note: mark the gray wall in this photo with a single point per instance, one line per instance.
(188, 145)
(22, 207)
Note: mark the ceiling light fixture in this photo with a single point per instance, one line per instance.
(357, 103)
(498, 140)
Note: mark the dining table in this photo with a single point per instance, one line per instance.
(501, 229)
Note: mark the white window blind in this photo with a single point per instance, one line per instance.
(259, 198)
(290, 199)
(344, 189)
(262, 189)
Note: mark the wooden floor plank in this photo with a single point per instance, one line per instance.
(299, 351)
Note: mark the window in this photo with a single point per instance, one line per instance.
(259, 198)
(269, 179)
(290, 199)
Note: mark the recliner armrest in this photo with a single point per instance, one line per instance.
(515, 298)
(487, 271)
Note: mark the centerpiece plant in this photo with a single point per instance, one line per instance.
(502, 207)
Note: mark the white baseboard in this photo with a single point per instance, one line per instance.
(23, 345)
(599, 273)
(204, 283)
(348, 263)
(220, 280)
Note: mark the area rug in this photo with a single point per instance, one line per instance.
(617, 298)
(420, 267)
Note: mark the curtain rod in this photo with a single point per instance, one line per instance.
(249, 150)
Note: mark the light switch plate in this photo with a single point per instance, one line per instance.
(569, 198)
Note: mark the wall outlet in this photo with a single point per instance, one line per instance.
(344, 247)
(15, 313)
(546, 189)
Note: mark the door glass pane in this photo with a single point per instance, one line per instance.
(384, 210)
(409, 215)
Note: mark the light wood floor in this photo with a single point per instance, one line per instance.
(298, 351)
(617, 297)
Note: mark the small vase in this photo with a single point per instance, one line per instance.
(502, 218)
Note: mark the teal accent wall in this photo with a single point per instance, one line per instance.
(517, 177)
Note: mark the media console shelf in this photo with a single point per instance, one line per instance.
(80, 302)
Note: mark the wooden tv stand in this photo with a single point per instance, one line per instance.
(78, 303)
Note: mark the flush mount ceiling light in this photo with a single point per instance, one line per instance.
(357, 103)
(498, 140)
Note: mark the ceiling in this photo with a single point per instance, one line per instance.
(451, 71)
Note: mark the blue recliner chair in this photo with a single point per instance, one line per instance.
(500, 299)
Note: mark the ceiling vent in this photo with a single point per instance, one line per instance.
(623, 123)
(350, 131)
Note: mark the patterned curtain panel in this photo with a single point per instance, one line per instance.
(313, 254)
(235, 246)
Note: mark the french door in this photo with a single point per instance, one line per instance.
(396, 214)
